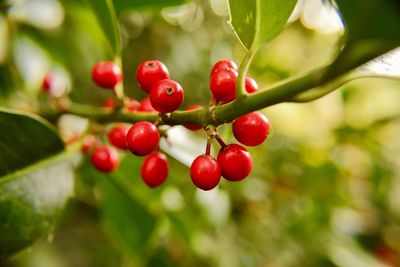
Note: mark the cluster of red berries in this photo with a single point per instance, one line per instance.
(233, 162)
(142, 138)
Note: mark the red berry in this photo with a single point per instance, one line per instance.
(149, 72)
(193, 127)
(47, 81)
(109, 103)
(223, 85)
(235, 162)
(154, 169)
(205, 172)
(145, 106)
(117, 136)
(88, 143)
(131, 104)
(142, 138)
(106, 74)
(251, 129)
(224, 64)
(166, 95)
(105, 159)
(251, 85)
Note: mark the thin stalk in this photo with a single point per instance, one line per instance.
(243, 70)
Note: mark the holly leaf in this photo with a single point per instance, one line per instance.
(257, 21)
(35, 180)
(107, 19)
(372, 29)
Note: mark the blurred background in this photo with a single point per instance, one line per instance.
(325, 188)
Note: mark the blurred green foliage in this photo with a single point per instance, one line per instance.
(325, 189)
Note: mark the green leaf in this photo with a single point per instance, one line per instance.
(35, 180)
(257, 21)
(107, 19)
(30, 205)
(122, 5)
(372, 29)
(25, 139)
(126, 219)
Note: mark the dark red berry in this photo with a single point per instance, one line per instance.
(117, 136)
(47, 82)
(205, 172)
(105, 159)
(251, 85)
(193, 127)
(149, 72)
(154, 169)
(145, 105)
(109, 103)
(166, 95)
(251, 129)
(223, 85)
(88, 143)
(225, 64)
(235, 162)
(142, 138)
(131, 104)
(106, 74)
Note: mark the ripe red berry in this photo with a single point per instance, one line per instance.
(117, 136)
(250, 85)
(224, 64)
(205, 172)
(105, 159)
(145, 105)
(223, 84)
(166, 95)
(251, 129)
(149, 72)
(106, 74)
(142, 138)
(235, 162)
(109, 103)
(47, 81)
(154, 169)
(131, 104)
(193, 127)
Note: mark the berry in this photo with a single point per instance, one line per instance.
(109, 103)
(193, 127)
(117, 136)
(224, 64)
(235, 162)
(251, 129)
(154, 169)
(131, 104)
(223, 84)
(149, 72)
(142, 138)
(47, 82)
(106, 74)
(88, 143)
(105, 159)
(205, 172)
(145, 106)
(166, 96)
(250, 85)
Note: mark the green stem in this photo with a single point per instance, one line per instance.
(243, 70)
(214, 115)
